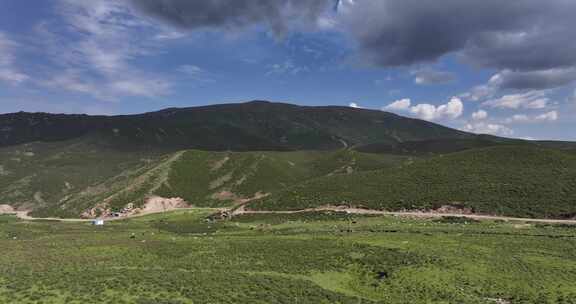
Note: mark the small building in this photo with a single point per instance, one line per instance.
(98, 222)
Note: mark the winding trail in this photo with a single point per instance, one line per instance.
(241, 210)
(23, 215)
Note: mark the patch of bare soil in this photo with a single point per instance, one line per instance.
(157, 204)
(225, 196)
(230, 196)
(154, 204)
(498, 300)
(219, 164)
(241, 180)
(3, 171)
(453, 209)
(219, 182)
(6, 209)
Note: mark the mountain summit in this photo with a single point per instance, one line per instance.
(255, 125)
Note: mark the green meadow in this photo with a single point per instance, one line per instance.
(182, 257)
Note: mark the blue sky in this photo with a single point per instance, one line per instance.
(122, 56)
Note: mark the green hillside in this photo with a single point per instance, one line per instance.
(209, 178)
(69, 178)
(442, 145)
(506, 180)
(40, 175)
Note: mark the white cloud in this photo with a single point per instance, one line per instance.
(8, 72)
(286, 68)
(326, 23)
(93, 48)
(12, 76)
(399, 105)
(484, 91)
(354, 105)
(529, 100)
(425, 111)
(71, 80)
(196, 73)
(538, 104)
(550, 116)
(74, 81)
(169, 35)
(488, 128)
(480, 115)
(523, 118)
(517, 118)
(451, 110)
(145, 87)
(192, 70)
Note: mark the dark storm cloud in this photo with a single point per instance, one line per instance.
(511, 34)
(547, 79)
(535, 39)
(231, 14)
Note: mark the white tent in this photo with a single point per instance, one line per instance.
(98, 222)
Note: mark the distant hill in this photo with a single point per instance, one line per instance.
(251, 126)
(505, 180)
(440, 146)
(436, 146)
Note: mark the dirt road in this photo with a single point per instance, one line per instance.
(241, 210)
(23, 215)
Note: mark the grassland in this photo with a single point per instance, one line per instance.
(522, 181)
(305, 258)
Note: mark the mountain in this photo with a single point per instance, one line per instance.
(283, 156)
(526, 181)
(251, 126)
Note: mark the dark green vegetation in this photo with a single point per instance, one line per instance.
(214, 178)
(525, 181)
(305, 258)
(257, 125)
(45, 175)
(438, 146)
(65, 179)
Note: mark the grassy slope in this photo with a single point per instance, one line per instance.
(507, 180)
(441, 146)
(212, 178)
(438, 146)
(179, 258)
(67, 178)
(42, 174)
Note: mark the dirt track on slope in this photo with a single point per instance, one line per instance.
(423, 215)
(242, 211)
